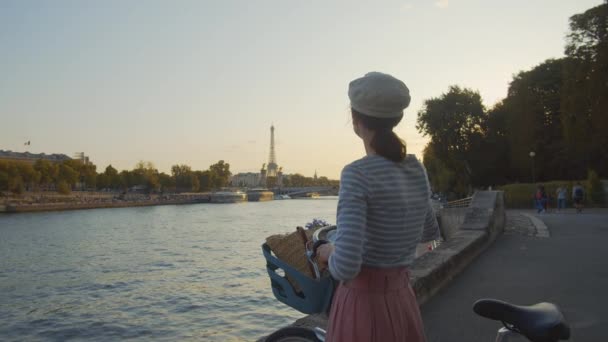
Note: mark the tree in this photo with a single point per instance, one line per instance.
(28, 175)
(455, 122)
(48, 172)
(204, 180)
(323, 181)
(102, 181)
(147, 175)
(441, 177)
(15, 185)
(67, 175)
(492, 163)
(596, 189)
(112, 177)
(534, 124)
(298, 180)
(88, 174)
(4, 175)
(63, 187)
(127, 180)
(584, 102)
(220, 174)
(167, 183)
(185, 179)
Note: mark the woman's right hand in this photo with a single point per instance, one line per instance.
(323, 253)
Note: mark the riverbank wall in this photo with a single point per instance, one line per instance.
(98, 202)
(470, 234)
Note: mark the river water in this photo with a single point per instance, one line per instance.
(188, 272)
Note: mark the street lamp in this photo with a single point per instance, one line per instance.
(532, 154)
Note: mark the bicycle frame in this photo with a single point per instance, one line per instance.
(503, 335)
(506, 335)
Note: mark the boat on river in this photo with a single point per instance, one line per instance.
(228, 197)
(259, 195)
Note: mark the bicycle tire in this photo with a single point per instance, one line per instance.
(293, 334)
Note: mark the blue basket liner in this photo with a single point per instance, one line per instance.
(315, 296)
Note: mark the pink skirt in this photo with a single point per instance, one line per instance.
(378, 305)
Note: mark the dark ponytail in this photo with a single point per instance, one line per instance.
(385, 142)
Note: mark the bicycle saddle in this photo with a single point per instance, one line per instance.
(542, 322)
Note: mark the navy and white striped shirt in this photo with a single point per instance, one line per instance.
(384, 211)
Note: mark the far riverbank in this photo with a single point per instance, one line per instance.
(51, 201)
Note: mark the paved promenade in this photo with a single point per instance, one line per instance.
(566, 264)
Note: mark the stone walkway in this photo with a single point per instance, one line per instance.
(527, 266)
(520, 223)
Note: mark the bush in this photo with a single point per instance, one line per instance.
(521, 195)
(16, 185)
(63, 188)
(596, 189)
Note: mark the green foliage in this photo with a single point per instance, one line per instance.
(109, 179)
(521, 195)
(533, 122)
(204, 180)
(596, 189)
(67, 174)
(16, 186)
(441, 177)
(558, 110)
(147, 175)
(298, 180)
(455, 122)
(4, 180)
(63, 187)
(185, 179)
(584, 103)
(126, 179)
(102, 182)
(167, 183)
(220, 174)
(451, 121)
(48, 172)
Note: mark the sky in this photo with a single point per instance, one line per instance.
(194, 82)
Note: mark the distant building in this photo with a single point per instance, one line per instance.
(273, 167)
(245, 179)
(32, 157)
(273, 171)
(82, 157)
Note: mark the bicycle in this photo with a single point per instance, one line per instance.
(542, 322)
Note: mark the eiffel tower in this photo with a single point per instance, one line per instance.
(273, 168)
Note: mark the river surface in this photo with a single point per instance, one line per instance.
(187, 272)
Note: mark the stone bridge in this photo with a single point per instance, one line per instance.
(303, 191)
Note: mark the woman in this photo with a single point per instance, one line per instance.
(384, 211)
(541, 199)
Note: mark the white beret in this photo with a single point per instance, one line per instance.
(378, 95)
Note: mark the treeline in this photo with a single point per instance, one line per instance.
(19, 176)
(558, 110)
(298, 180)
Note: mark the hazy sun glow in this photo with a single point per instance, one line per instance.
(193, 82)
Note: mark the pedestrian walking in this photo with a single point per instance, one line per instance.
(561, 192)
(578, 196)
(541, 200)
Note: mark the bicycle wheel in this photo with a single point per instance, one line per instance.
(293, 334)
